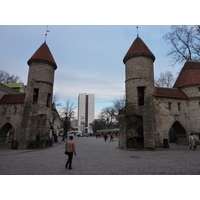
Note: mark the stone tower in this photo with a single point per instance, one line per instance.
(189, 82)
(37, 111)
(139, 131)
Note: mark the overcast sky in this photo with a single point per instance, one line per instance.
(89, 57)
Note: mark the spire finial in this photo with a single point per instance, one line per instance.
(137, 31)
(46, 34)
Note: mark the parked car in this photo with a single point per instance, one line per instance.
(85, 135)
(79, 135)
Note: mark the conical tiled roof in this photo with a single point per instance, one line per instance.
(189, 75)
(138, 48)
(43, 54)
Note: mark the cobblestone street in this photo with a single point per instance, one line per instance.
(97, 157)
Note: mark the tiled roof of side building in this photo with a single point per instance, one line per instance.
(43, 54)
(169, 93)
(13, 98)
(138, 48)
(189, 75)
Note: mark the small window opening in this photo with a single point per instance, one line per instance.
(179, 106)
(4, 110)
(15, 110)
(48, 100)
(199, 89)
(169, 105)
(35, 95)
(140, 91)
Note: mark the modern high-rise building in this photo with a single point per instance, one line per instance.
(85, 112)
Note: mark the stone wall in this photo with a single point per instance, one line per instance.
(166, 112)
(194, 107)
(12, 114)
(37, 113)
(139, 99)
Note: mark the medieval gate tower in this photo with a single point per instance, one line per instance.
(139, 86)
(37, 111)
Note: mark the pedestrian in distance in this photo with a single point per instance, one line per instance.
(105, 137)
(192, 142)
(70, 148)
(111, 137)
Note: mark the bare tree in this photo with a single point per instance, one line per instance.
(185, 42)
(98, 124)
(118, 105)
(55, 100)
(111, 114)
(5, 77)
(55, 105)
(108, 114)
(68, 112)
(166, 79)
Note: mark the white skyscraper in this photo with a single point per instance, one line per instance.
(85, 112)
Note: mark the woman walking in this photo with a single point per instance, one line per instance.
(70, 148)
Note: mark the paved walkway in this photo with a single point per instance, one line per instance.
(96, 157)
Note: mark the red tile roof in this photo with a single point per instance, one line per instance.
(189, 75)
(43, 54)
(13, 98)
(169, 93)
(138, 48)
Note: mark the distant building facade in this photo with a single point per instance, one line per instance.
(29, 115)
(85, 112)
(154, 115)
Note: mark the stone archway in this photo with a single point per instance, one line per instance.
(7, 134)
(135, 137)
(177, 134)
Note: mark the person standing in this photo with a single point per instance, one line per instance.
(111, 137)
(105, 137)
(70, 148)
(192, 142)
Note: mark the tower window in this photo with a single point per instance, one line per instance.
(48, 100)
(169, 105)
(140, 91)
(179, 106)
(35, 95)
(4, 110)
(15, 110)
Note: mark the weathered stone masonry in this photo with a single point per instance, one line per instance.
(152, 113)
(31, 120)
